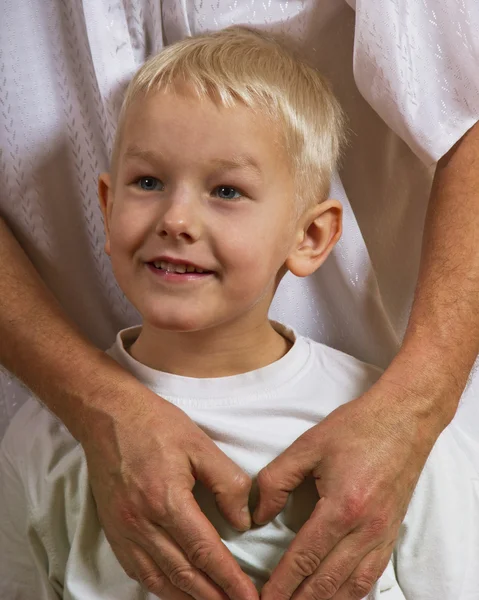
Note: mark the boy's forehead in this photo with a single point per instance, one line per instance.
(153, 121)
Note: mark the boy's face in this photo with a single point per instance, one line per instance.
(201, 216)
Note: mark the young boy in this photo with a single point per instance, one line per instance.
(218, 186)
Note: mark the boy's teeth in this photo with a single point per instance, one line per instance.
(173, 268)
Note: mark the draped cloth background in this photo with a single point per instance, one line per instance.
(405, 72)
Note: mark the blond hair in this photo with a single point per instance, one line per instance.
(240, 65)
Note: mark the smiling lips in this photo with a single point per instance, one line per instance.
(177, 267)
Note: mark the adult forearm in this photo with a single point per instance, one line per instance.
(42, 346)
(442, 337)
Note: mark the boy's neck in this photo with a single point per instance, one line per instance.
(219, 352)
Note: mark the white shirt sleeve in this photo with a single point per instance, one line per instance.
(417, 62)
(437, 552)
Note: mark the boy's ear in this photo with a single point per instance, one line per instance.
(322, 228)
(105, 196)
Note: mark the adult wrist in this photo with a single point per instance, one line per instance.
(426, 380)
(92, 402)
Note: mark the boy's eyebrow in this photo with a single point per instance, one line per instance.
(238, 162)
(137, 152)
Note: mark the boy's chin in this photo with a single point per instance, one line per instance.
(179, 324)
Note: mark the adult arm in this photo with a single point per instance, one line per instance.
(417, 68)
(367, 455)
(142, 483)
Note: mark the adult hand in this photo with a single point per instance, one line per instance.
(143, 459)
(366, 458)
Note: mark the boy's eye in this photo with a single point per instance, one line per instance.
(150, 184)
(227, 192)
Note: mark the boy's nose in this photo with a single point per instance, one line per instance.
(179, 221)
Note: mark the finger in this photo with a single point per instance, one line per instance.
(230, 484)
(318, 536)
(203, 547)
(140, 567)
(278, 479)
(337, 568)
(367, 573)
(174, 564)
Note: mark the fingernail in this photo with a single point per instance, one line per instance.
(246, 517)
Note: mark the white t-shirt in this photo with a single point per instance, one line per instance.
(52, 545)
(63, 66)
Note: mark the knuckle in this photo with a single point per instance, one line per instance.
(128, 516)
(160, 509)
(200, 555)
(361, 585)
(324, 586)
(230, 587)
(271, 590)
(265, 478)
(165, 504)
(305, 562)
(154, 582)
(353, 510)
(242, 483)
(183, 577)
(378, 526)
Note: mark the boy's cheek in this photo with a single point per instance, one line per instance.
(129, 225)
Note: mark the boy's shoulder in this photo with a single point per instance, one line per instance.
(338, 364)
(327, 356)
(333, 376)
(341, 358)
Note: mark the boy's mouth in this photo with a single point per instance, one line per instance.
(176, 267)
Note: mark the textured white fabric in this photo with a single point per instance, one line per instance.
(252, 417)
(63, 66)
(432, 49)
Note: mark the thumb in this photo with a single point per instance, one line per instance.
(230, 484)
(283, 475)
